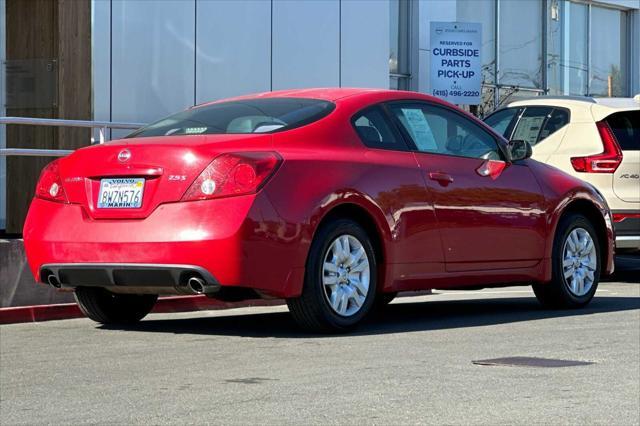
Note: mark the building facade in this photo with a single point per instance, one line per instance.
(152, 58)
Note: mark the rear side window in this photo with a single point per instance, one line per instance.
(530, 124)
(555, 121)
(626, 128)
(538, 123)
(244, 116)
(375, 131)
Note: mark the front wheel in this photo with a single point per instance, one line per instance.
(575, 267)
(110, 308)
(340, 280)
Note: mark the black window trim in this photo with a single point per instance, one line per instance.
(497, 139)
(403, 146)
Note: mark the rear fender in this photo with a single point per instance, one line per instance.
(576, 201)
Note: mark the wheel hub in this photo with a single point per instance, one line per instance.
(579, 262)
(345, 275)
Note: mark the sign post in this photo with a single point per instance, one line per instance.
(456, 61)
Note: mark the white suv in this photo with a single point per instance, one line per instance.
(595, 139)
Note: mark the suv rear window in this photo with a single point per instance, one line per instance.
(244, 116)
(626, 128)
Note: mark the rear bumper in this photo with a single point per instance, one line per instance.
(628, 242)
(227, 242)
(627, 230)
(144, 278)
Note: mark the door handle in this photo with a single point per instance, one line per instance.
(443, 178)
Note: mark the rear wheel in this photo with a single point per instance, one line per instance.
(340, 281)
(109, 308)
(575, 265)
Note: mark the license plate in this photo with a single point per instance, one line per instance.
(121, 193)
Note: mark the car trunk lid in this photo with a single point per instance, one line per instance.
(164, 168)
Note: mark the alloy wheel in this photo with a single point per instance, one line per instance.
(346, 275)
(579, 262)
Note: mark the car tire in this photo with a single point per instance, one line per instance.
(105, 307)
(569, 265)
(334, 298)
(383, 299)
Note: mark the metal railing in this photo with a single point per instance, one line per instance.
(102, 127)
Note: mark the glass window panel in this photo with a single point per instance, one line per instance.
(608, 52)
(574, 64)
(626, 128)
(501, 120)
(482, 11)
(440, 131)
(244, 116)
(521, 43)
(530, 124)
(557, 120)
(567, 50)
(375, 131)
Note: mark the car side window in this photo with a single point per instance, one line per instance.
(501, 121)
(555, 121)
(530, 124)
(441, 131)
(375, 130)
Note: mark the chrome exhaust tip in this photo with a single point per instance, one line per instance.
(53, 281)
(197, 285)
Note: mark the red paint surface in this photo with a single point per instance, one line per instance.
(457, 228)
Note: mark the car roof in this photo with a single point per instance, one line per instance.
(331, 94)
(583, 108)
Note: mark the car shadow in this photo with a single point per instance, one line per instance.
(399, 317)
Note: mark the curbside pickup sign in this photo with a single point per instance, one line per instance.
(456, 61)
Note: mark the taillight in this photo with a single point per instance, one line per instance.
(232, 174)
(605, 162)
(49, 185)
(619, 217)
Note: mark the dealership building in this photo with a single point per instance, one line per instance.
(138, 60)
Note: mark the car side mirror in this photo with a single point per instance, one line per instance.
(520, 150)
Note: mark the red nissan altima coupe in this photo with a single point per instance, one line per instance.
(333, 199)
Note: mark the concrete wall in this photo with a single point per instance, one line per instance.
(17, 285)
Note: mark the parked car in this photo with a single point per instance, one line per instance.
(594, 139)
(333, 199)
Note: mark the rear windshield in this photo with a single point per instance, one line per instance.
(244, 116)
(626, 128)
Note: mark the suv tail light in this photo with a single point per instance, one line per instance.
(232, 174)
(605, 162)
(49, 185)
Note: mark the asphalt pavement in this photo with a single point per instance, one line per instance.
(413, 364)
